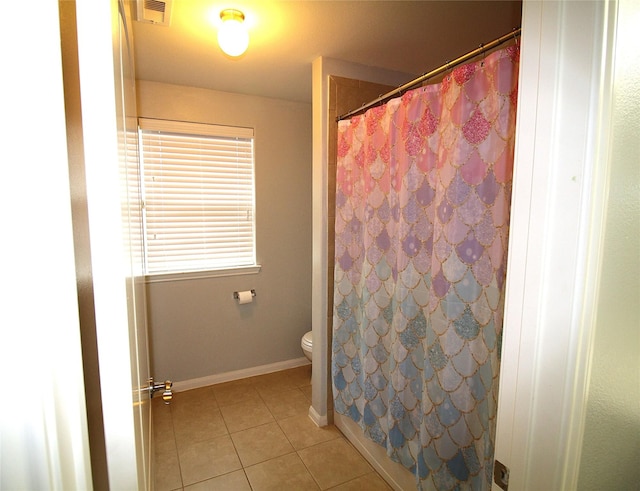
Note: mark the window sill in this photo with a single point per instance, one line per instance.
(197, 275)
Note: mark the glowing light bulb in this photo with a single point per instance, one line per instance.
(233, 37)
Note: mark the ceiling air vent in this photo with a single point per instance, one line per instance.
(154, 11)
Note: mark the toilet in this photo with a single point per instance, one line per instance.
(306, 344)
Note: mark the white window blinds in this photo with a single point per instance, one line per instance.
(198, 192)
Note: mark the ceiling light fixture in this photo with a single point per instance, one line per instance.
(233, 36)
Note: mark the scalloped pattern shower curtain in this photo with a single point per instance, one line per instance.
(423, 194)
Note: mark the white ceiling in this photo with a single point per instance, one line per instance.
(412, 37)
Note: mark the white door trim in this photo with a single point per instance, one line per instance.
(554, 253)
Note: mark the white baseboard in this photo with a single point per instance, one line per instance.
(318, 419)
(238, 374)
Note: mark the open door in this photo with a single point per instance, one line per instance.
(109, 133)
(131, 206)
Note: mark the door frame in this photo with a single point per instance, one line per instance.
(44, 441)
(558, 209)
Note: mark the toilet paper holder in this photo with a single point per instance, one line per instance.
(236, 295)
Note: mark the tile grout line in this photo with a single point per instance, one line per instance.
(263, 400)
(175, 445)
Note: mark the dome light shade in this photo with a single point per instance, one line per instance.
(233, 37)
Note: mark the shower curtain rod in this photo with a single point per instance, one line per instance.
(450, 64)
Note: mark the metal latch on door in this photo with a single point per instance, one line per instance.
(501, 475)
(165, 386)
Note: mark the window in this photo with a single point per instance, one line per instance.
(198, 196)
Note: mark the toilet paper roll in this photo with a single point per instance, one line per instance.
(245, 297)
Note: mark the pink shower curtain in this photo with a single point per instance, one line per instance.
(422, 213)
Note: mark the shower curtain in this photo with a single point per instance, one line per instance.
(422, 212)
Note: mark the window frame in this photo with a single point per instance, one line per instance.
(148, 127)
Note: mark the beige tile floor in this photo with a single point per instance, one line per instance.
(253, 434)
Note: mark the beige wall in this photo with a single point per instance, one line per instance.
(611, 445)
(196, 328)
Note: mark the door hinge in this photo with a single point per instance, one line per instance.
(501, 475)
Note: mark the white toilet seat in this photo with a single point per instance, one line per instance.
(306, 344)
(307, 340)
